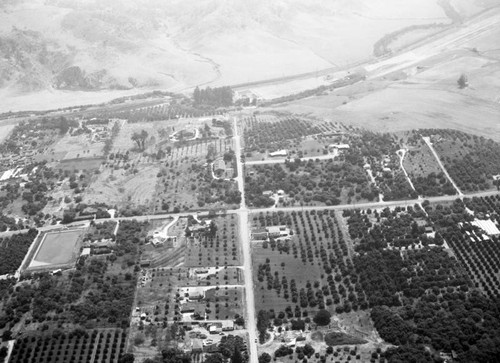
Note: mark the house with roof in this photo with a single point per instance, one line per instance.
(219, 166)
(278, 153)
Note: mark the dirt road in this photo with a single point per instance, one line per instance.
(436, 156)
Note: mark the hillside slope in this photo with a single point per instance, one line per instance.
(93, 45)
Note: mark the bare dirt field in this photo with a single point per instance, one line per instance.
(121, 187)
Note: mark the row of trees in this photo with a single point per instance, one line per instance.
(216, 97)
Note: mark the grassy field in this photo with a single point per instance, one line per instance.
(424, 95)
(57, 248)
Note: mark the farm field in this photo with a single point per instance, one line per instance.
(132, 187)
(424, 170)
(218, 248)
(398, 264)
(308, 271)
(103, 345)
(475, 248)
(471, 161)
(425, 76)
(57, 248)
(312, 182)
(186, 181)
(268, 133)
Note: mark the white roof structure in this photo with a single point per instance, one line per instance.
(279, 153)
(487, 225)
(85, 251)
(339, 146)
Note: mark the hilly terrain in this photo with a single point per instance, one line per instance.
(59, 49)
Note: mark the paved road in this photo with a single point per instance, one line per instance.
(396, 203)
(436, 156)
(247, 256)
(279, 161)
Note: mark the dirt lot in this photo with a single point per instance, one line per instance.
(78, 147)
(123, 187)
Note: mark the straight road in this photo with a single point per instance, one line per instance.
(436, 156)
(281, 161)
(247, 256)
(396, 203)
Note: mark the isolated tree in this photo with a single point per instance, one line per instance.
(140, 139)
(265, 358)
(322, 317)
(462, 81)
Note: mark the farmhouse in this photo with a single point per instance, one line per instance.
(278, 153)
(197, 346)
(219, 166)
(339, 146)
(278, 231)
(259, 234)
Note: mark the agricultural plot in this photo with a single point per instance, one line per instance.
(215, 246)
(78, 146)
(97, 293)
(424, 171)
(133, 186)
(188, 183)
(163, 111)
(308, 271)
(477, 249)
(415, 290)
(161, 290)
(471, 161)
(79, 346)
(269, 133)
(312, 182)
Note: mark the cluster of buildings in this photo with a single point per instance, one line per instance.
(275, 232)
